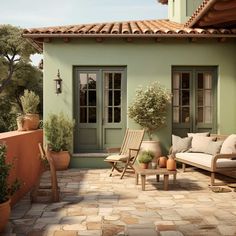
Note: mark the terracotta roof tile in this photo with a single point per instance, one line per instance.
(152, 28)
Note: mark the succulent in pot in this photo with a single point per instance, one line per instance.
(145, 158)
(58, 130)
(7, 189)
(29, 103)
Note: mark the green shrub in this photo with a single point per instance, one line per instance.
(6, 190)
(149, 107)
(29, 102)
(146, 157)
(59, 132)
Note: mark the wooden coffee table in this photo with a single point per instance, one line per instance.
(158, 171)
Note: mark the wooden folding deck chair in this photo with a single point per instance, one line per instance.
(52, 190)
(127, 153)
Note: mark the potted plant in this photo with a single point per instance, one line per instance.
(149, 110)
(58, 130)
(20, 122)
(30, 102)
(145, 158)
(6, 189)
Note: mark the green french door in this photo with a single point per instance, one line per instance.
(100, 108)
(194, 100)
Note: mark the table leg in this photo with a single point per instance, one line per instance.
(136, 178)
(143, 180)
(158, 178)
(166, 180)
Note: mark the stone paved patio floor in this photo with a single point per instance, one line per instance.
(94, 204)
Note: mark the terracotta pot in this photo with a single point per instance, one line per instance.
(61, 159)
(144, 165)
(5, 210)
(162, 162)
(31, 121)
(171, 163)
(153, 146)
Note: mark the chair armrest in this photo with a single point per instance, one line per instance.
(134, 149)
(221, 156)
(113, 150)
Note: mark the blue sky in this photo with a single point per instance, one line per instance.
(29, 14)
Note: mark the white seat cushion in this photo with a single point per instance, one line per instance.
(117, 157)
(205, 160)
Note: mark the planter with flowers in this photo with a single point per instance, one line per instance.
(149, 110)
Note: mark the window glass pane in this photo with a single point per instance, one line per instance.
(185, 80)
(185, 115)
(117, 98)
(200, 115)
(207, 81)
(83, 98)
(176, 78)
(176, 97)
(92, 98)
(92, 81)
(176, 115)
(207, 115)
(106, 81)
(110, 103)
(117, 81)
(110, 115)
(92, 115)
(83, 81)
(200, 80)
(200, 98)
(83, 115)
(110, 80)
(185, 98)
(117, 115)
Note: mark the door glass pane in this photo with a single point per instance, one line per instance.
(117, 81)
(176, 78)
(110, 80)
(117, 115)
(117, 98)
(176, 115)
(185, 98)
(207, 115)
(92, 81)
(83, 115)
(200, 115)
(176, 97)
(92, 98)
(83, 81)
(185, 115)
(83, 98)
(110, 103)
(200, 80)
(207, 98)
(185, 80)
(110, 115)
(200, 98)
(92, 115)
(207, 81)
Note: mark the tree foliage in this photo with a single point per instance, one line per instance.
(15, 53)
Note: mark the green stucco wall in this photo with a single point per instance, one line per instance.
(146, 61)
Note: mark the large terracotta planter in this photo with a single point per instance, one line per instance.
(31, 121)
(61, 159)
(153, 146)
(5, 210)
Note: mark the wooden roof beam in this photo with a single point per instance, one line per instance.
(225, 5)
(222, 14)
(207, 22)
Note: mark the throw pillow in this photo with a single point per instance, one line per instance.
(205, 134)
(200, 143)
(213, 148)
(229, 145)
(180, 144)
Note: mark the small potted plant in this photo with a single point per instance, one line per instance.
(6, 189)
(145, 158)
(30, 102)
(149, 110)
(58, 130)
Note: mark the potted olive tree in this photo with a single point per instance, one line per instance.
(145, 158)
(58, 130)
(6, 189)
(149, 110)
(30, 102)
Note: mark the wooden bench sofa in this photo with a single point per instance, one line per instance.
(218, 163)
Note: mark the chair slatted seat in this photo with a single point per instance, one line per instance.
(128, 152)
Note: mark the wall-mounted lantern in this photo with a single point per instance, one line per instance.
(58, 81)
